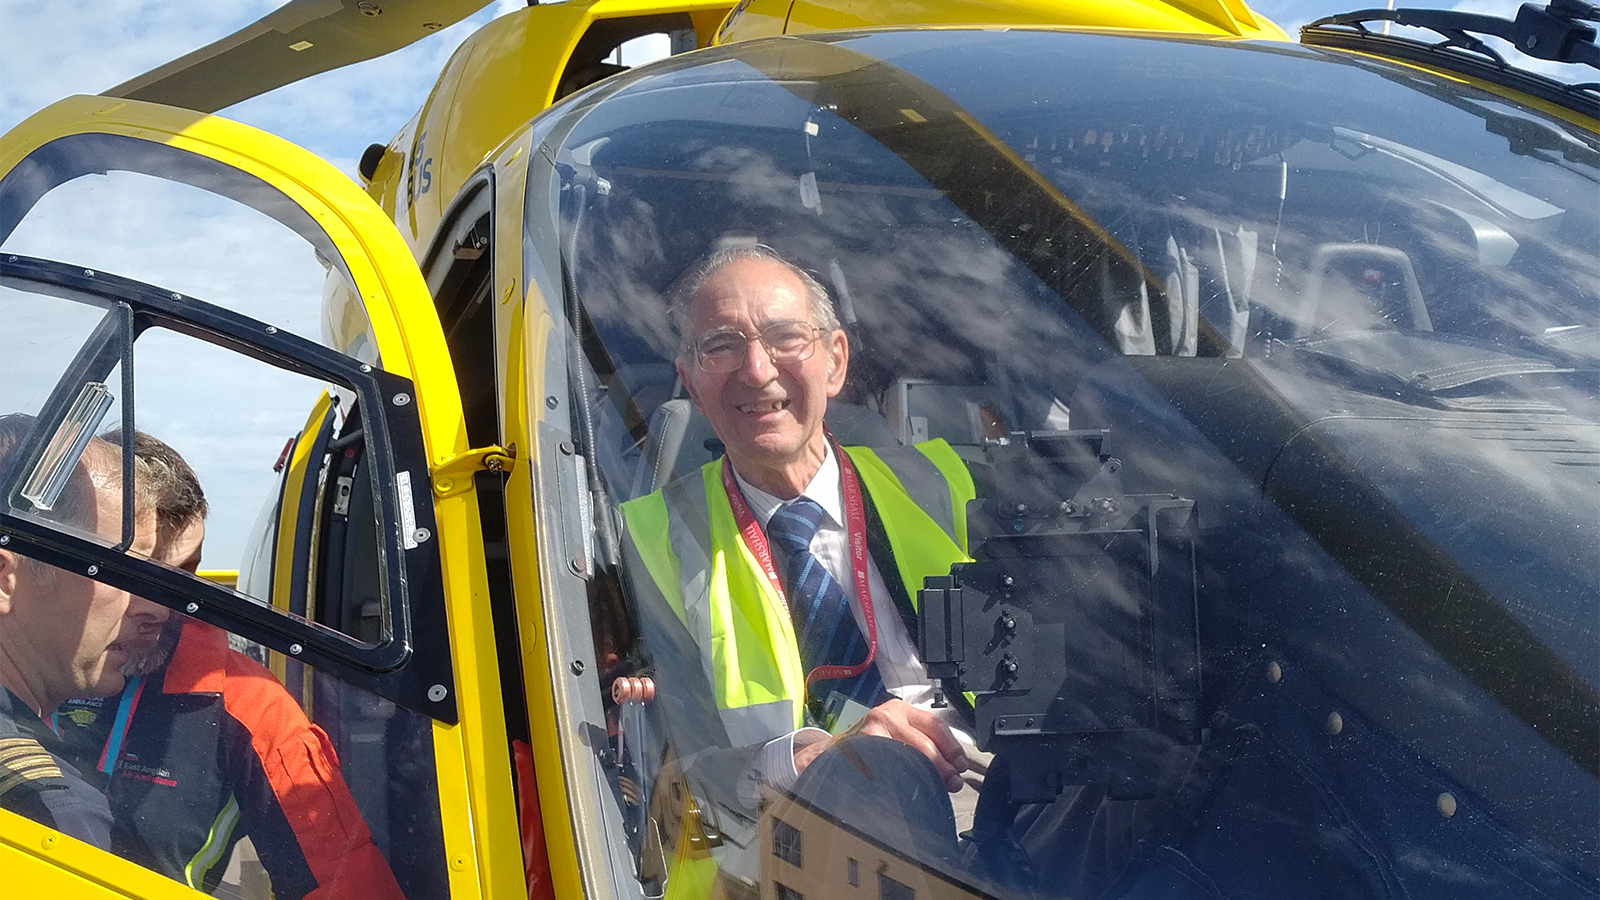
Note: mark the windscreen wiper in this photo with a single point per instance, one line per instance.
(1559, 32)
(1562, 31)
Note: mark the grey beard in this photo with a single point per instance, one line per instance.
(157, 656)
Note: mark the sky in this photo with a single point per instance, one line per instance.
(229, 417)
(230, 422)
(52, 48)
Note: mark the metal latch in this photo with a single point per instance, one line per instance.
(454, 476)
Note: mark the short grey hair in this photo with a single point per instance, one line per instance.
(165, 482)
(689, 285)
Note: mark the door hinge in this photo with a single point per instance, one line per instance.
(454, 476)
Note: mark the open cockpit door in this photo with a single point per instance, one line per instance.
(371, 413)
(149, 333)
(166, 275)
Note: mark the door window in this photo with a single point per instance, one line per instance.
(263, 654)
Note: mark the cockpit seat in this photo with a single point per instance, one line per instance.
(1361, 287)
(681, 439)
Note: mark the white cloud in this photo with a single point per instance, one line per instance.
(55, 48)
(338, 113)
(228, 415)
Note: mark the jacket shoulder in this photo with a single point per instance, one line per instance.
(26, 767)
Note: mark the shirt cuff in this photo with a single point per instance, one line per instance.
(773, 765)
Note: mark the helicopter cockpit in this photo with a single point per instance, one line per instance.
(1274, 373)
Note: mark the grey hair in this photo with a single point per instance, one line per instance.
(164, 483)
(695, 278)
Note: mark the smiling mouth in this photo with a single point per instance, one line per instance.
(768, 406)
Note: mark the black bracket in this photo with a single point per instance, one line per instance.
(1559, 32)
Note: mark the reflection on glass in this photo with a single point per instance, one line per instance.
(265, 441)
(66, 446)
(183, 748)
(221, 779)
(1276, 389)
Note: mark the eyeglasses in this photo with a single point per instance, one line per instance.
(786, 342)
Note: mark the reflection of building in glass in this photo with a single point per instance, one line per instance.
(786, 843)
(889, 889)
(816, 855)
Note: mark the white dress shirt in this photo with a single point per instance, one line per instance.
(902, 670)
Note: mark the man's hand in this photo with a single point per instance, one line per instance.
(905, 723)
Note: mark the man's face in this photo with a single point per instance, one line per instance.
(769, 416)
(62, 630)
(98, 655)
(143, 625)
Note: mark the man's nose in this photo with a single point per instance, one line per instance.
(758, 367)
(147, 610)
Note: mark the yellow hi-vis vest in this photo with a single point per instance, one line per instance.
(688, 539)
(689, 542)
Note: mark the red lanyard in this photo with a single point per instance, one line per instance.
(855, 524)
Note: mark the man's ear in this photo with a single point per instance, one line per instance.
(688, 383)
(10, 572)
(837, 345)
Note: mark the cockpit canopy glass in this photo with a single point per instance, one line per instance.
(1272, 374)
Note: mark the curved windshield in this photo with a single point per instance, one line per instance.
(1178, 455)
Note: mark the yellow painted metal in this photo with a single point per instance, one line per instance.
(511, 190)
(521, 371)
(384, 185)
(476, 799)
(498, 80)
(455, 475)
(228, 578)
(1227, 18)
(530, 342)
(36, 861)
(495, 82)
(474, 769)
(296, 469)
(298, 466)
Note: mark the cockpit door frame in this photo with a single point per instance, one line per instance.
(327, 207)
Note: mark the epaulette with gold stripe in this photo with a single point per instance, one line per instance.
(24, 760)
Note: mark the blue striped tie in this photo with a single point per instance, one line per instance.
(823, 623)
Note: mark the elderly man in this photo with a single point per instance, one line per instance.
(62, 635)
(792, 563)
